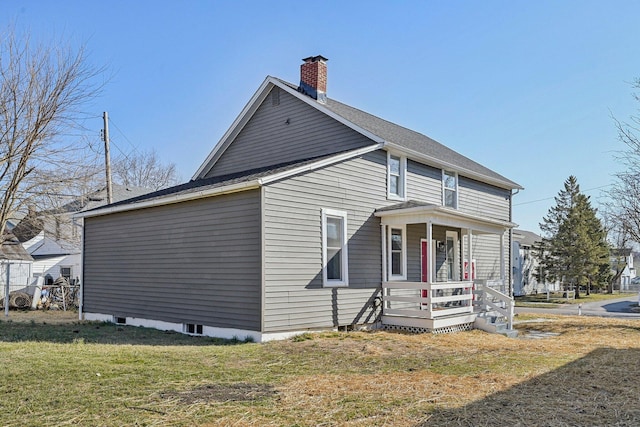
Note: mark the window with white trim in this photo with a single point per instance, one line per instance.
(397, 254)
(396, 176)
(450, 189)
(67, 273)
(452, 256)
(335, 258)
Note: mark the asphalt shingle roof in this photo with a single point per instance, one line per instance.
(409, 139)
(412, 140)
(205, 184)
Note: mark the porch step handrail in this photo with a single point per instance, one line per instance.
(491, 299)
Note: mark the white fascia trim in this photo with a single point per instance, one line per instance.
(320, 163)
(454, 168)
(445, 212)
(227, 189)
(236, 127)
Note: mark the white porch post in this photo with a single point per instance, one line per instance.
(470, 264)
(429, 254)
(502, 260)
(430, 257)
(470, 254)
(383, 238)
(383, 234)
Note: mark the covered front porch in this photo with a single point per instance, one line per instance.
(442, 268)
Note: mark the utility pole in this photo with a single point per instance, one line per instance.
(107, 157)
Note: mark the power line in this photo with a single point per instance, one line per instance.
(135, 148)
(553, 197)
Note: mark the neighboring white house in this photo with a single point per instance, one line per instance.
(525, 262)
(622, 259)
(15, 261)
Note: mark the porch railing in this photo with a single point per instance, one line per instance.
(490, 299)
(424, 300)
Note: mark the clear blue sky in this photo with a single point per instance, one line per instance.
(526, 88)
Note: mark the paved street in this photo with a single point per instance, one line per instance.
(625, 307)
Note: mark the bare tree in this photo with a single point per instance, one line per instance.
(144, 169)
(623, 207)
(619, 239)
(43, 89)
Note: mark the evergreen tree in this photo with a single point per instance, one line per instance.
(574, 242)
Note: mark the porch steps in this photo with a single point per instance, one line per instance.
(494, 324)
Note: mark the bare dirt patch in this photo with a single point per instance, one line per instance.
(240, 392)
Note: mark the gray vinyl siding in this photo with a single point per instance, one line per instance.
(294, 296)
(424, 183)
(486, 252)
(483, 199)
(268, 140)
(191, 262)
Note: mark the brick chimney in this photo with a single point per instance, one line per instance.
(313, 78)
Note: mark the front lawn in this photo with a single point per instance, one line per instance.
(577, 371)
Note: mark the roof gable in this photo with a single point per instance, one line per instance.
(284, 129)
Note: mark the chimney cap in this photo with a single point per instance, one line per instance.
(315, 58)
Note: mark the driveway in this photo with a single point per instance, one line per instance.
(624, 307)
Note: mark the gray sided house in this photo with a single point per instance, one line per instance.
(308, 214)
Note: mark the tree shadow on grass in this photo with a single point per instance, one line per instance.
(102, 333)
(599, 389)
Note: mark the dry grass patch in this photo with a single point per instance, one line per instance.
(582, 373)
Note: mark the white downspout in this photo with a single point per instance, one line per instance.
(502, 260)
(430, 257)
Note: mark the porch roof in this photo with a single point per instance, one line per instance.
(415, 212)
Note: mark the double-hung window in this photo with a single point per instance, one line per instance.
(335, 258)
(397, 252)
(450, 189)
(396, 176)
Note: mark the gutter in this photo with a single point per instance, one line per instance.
(446, 212)
(161, 201)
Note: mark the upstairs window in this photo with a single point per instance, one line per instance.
(396, 176)
(334, 248)
(450, 189)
